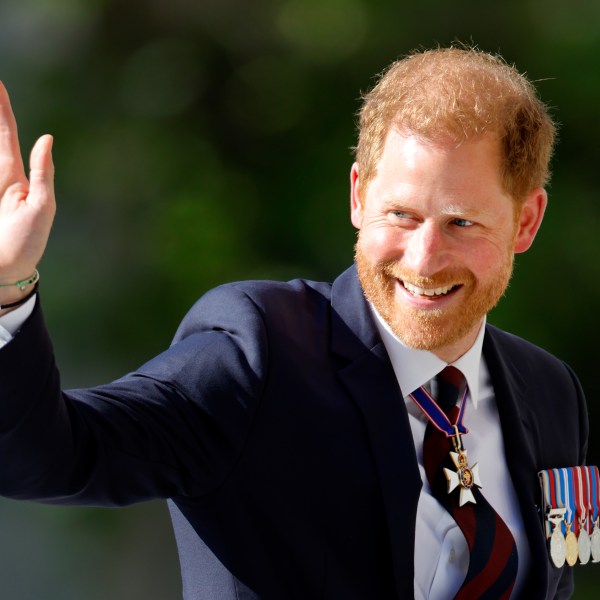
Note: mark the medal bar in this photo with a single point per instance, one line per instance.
(571, 506)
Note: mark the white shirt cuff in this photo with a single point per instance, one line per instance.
(12, 321)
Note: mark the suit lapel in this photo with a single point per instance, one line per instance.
(511, 393)
(366, 372)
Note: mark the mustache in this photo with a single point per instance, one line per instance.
(445, 277)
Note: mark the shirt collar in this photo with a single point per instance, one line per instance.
(415, 368)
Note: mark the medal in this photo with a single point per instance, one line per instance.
(558, 547)
(584, 546)
(582, 502)
(595, 539)
(572, 547)
(595, 543)
(566, 490)
(552, 494)
(465, 477)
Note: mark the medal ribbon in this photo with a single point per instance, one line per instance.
(437, 416)
(567, 488)
(595, 485)
(547, 489)
(574, 495)
(580, 489)
(587, 477)
(558, 494)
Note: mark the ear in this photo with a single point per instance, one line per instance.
(356, 204)
(530, 219)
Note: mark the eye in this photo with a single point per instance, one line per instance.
(399, 214)
(462, 222)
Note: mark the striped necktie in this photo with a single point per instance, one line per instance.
(493, 558)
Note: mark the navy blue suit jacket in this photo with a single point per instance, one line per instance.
(275, 426)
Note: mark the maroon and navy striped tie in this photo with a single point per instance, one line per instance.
(493, 559)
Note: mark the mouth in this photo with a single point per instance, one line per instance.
(433, 292)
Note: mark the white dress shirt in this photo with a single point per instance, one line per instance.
(441, 551)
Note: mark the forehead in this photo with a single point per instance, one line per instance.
(440, 175)
(443, 162)
(443, 144)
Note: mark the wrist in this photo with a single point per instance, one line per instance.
(14, 293)
(20, 283)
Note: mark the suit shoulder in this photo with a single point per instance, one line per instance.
(265, 291)
(514, 343)
(554, 395)
(265, 294)
(250, 304)
(530, 360)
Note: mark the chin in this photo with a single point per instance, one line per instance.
(424, 336)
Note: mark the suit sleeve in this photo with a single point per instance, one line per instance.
(175, 427)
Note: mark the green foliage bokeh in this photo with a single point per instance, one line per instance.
(202, 142)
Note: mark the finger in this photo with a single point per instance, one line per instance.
(11, 161)
(41, 175)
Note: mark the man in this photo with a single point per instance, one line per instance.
(285, 422)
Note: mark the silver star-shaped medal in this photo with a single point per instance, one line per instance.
(465, 476)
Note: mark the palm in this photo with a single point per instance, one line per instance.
(26, 206)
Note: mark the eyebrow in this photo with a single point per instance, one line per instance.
(455, 209)
(392, 203)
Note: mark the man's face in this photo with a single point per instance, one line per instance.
(437, 237)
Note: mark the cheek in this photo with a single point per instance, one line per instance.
(381, 244)
(486, 260)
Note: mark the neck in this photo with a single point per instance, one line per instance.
(452, 352)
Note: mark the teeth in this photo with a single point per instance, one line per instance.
(419, 291)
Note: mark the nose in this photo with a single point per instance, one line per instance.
(426, 252)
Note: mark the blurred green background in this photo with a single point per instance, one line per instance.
(198, 142)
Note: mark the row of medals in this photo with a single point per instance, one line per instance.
(569, 547)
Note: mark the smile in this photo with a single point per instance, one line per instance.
(415, 290)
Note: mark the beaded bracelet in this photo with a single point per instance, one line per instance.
(23, 283)
(33, 280)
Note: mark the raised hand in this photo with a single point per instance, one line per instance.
(27, 206)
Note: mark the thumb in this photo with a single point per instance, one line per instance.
(41, 174)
